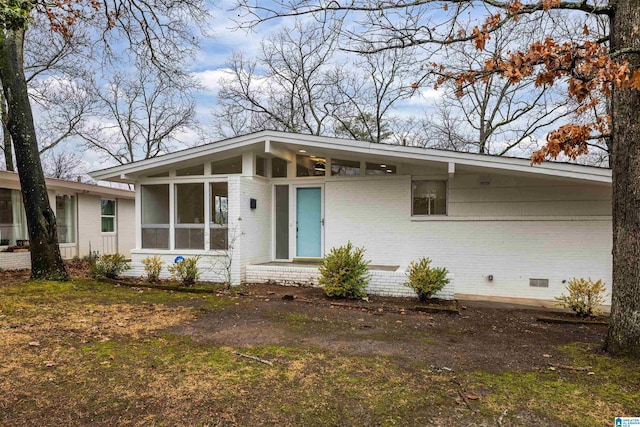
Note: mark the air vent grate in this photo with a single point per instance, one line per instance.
(539, 283)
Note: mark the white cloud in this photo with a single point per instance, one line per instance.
(210, 79)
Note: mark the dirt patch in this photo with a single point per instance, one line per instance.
(87, 352)
(489, 339)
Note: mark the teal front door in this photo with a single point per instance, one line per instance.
(309, 222)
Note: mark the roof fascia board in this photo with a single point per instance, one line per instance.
(12, 181)
(178, 156)
(468, 159)
(273, 139)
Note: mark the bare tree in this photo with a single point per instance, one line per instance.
(62, 165)
(303, 83)
(376, 84)
(55, 64)
(495, 115)
(137, 115)
(161, 32)
(285, 89)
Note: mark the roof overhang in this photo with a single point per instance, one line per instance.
(285, 145)
(12, 180)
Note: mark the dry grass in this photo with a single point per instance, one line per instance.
(88, 353)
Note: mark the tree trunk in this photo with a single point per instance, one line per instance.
(46, 262)
(6, 136)
(624, 329)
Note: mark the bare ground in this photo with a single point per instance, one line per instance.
(92, 353)
(489, 339)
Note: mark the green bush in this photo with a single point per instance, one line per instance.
(344, 272)
(425, 280)
(109, 266)
(585, 297)
(153, 267)
(185, 271)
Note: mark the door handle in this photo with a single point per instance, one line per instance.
(322, 222)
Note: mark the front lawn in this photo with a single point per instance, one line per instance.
(92, 353)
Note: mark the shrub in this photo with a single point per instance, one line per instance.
(425, 280)
(185, 271)
(109, 266)
(344, 272)
(153, 267)
(585, 297)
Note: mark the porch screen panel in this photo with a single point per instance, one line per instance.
(155, 216)
(219, 221)
(282, 222)
(190, 216)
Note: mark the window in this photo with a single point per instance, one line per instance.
(65, 218)
(310, 165)
(193, 170)
(429, 197)
(380, 169)
(261, 166)
(155, 216)
(108, 215)
(227, 166)
(278, 168)
(345, 167)
(219, 221)
(13, 224)
(189, 231)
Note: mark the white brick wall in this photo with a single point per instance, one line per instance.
(513, 228)
(15, 260)
(207, 266)
(385, 283)
(376, 214)
(254, 243)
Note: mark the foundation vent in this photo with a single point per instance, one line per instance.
(539, 283)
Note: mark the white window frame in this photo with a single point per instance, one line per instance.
(114, 216)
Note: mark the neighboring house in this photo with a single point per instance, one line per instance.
(89, 218)
(501, 226)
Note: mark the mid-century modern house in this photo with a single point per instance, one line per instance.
(89, 218)
(501, 227)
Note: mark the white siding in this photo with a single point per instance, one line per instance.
(126, 226)
(500, 241)
(89, 224)
(516, 196)
(89, 235)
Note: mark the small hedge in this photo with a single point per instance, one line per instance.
(109, 266)
(425, 280)
(585, 297)
(153, 268)
(344, 273)
(185, 271)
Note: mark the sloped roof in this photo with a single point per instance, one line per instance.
(12, 180)
(270, 139)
